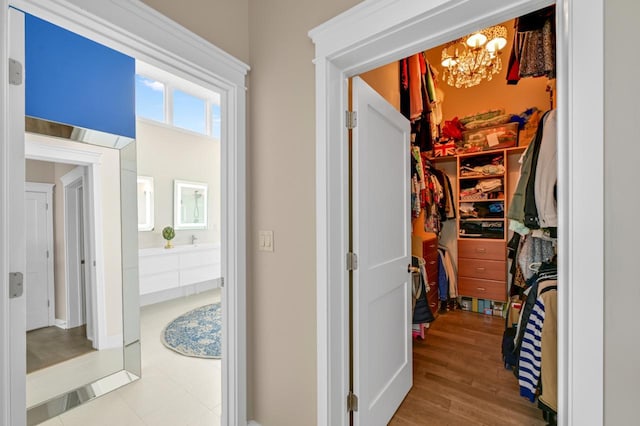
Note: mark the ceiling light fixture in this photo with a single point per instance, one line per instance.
(469, 60)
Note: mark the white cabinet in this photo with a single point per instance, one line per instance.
(179, 268)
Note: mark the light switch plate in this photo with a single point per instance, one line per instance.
(265, 240)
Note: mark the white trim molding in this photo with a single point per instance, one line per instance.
(137, 30)
(377, 32)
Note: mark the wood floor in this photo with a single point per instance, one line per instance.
(51, 345)
(459, 378)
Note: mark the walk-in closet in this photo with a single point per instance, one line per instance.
(484, 223)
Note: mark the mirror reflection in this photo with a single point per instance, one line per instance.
(190, 200)
(145, 203)
(77, 265)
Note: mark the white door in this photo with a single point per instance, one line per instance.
(382, 241)
(74, 232)
(37, 277)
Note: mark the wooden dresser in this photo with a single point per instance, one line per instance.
(482, 269)
(426, 247)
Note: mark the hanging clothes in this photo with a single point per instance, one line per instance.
(421, 309)
(415, 87)
(522, 205)
(533, 50)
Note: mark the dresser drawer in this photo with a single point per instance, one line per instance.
(489, 250)
(430, 249)
(485, 269)
(482, 289)
(432, 300)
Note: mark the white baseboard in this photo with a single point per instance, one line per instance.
(60, 324)
(253, 423)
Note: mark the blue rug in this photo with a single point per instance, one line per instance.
(197, 333)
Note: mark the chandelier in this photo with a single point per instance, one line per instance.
(469, 60)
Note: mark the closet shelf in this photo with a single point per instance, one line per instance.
(478, 219)
(480, 176)
(512, 150)
(486, 200)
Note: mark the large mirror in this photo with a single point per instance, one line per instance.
(190, 205)
(83, 337)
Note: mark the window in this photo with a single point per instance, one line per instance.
(189, 112)
(149, 98)
(216, 119)
(167, 99)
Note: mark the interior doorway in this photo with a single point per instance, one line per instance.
(79, 309)
(377, 42)
(454, 112)
(206, 65)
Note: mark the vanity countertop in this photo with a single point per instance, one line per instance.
(182, 248)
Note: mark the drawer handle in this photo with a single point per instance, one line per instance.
(481, 288)
(479, 269)
(432, 246)
(432, 262)
(433, 305)
(481, 250)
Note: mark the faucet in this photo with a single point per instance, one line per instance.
(193, 240)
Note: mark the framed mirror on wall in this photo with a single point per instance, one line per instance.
(190, 205)
(145, 203)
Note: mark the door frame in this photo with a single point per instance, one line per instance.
(377, 32)
(43, 148)
(47, 189)
(141, 32)
(70, 182)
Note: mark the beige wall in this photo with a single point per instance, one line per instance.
(39, 171)
(621, 154)
(224, 23)
(166, 153)
(282, 289)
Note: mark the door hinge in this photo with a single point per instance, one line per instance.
(221, 281)
(352, 261)
(16, 281)
(352, 402)
(48, 303)
(47, 254)
(15, 72)
(46, 206)
(351, 119)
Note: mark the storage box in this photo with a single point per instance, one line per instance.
(444, 149)
(494, 137)
(465, 303)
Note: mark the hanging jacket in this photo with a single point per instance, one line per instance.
(531, 360)
(421, 311)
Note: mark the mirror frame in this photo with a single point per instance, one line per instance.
(148, 203)
(178, 221)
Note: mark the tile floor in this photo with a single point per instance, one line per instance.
(175, 390)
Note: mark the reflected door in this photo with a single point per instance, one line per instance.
(37, 277)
